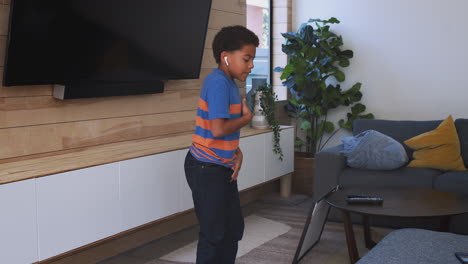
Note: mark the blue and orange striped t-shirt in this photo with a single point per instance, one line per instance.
(219, 98)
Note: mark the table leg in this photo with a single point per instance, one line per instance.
(444, 224)
(350, 239)
(285, 185)
(367, 234)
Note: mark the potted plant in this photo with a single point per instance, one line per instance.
(313, 76)
(264, 99)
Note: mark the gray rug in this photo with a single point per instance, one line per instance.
(281, 249)
(258, 230)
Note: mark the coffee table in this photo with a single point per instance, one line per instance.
(397, 203)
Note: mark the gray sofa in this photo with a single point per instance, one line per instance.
(416, 246)
(331, 169)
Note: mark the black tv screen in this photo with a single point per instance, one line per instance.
(73, 42)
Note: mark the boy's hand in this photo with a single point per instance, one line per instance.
(221, 126)
(246, 110)
(237, 166)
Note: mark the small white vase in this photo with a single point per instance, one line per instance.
(259, 121)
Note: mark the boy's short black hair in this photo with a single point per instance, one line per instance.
(232, 38)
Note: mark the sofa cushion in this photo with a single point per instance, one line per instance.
(416, 246)
(462, 129)
(398, 130)
(404, 177)
(438, 148)
(455, 182)
(373, 150)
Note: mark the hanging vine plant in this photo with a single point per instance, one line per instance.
(267, 103)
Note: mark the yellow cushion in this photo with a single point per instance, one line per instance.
(438, 149)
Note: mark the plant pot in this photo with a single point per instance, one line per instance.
(259, 121)
(303, 176)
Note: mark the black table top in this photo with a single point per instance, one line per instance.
(402, 202)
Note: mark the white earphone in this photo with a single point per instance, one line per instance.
(225, 60)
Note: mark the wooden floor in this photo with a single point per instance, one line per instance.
(293, 211)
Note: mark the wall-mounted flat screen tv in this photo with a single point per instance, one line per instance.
(105, 47)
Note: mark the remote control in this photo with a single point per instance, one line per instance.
(364, 199)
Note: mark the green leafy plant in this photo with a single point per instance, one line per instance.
(268, 99)
(313, 76)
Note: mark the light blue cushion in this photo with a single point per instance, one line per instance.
(373, 150)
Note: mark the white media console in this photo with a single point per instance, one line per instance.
(47, 216)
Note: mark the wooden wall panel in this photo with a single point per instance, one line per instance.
(17, 111)
(4, 12)
(17, 169)
(62, 136)
(231, 6)
(210, 34)
(208, 59)
(17, 91)
(190, 84)
(2, 49)
(219, 19)
(33, 122)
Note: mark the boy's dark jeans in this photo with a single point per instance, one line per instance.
(217, 207)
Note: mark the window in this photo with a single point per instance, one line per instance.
(258, 20)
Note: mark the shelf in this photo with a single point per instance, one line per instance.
(53, 163)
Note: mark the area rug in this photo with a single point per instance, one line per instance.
(258, 230)
(332, 248)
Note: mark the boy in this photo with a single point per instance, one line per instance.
(214, 160)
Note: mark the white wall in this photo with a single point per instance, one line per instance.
(410, 55)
